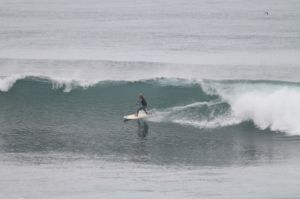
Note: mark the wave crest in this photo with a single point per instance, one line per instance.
(6, 83)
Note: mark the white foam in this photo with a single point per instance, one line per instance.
(7, 83)
(268, 105)
(278, 110)
(68, 85)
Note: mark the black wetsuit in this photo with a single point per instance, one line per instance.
(143, 106)
(143, 102)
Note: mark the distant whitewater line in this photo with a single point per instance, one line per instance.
(270, 105)
(270, 57)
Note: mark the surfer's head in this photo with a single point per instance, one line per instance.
(141, 95)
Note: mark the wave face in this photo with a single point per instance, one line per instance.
(35, 101)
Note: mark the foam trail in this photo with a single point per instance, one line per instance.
(166, 114)
(218, 122)
(190, 115)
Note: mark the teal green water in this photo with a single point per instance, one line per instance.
(191, 123)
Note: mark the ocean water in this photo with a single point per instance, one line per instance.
(221, 79)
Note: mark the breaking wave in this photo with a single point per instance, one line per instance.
(270, 105)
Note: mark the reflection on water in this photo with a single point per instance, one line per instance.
(166, 144)
(143, 128)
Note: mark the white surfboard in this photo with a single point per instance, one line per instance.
(141, 115)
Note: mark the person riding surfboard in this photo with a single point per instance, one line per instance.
(142, 104)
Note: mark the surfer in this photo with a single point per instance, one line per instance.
(142, 103)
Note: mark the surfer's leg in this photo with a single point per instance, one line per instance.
(138, 110)
(144, 108)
